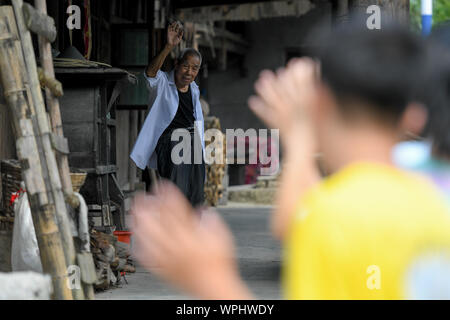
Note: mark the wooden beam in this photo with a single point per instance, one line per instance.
(223, 48)
(223, 33)
(342, 11)
(219, 44)
(201, 3)
(133, 132)
(246, 11)
(221, 38)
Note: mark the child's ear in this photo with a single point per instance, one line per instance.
(326, 101)
(413, 120)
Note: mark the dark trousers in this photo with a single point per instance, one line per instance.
(189, 177)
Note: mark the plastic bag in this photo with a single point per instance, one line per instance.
(25, 254)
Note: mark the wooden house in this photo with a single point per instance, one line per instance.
(237, 39)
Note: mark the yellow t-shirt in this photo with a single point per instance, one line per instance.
(369, 232)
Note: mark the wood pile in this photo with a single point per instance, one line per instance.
(111, 258)
(216, 171)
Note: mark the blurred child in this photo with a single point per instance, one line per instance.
(368, 231)
(431, 154)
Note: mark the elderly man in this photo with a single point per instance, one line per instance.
(176, 105)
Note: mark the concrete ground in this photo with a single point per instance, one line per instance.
(258, 255)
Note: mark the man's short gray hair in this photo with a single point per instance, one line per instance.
(189, 52)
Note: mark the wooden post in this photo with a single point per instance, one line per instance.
(133, 135)
(142, 115)
(50, 167)
(223, 49)
(342, 11)
(55, 114)
(42, 208)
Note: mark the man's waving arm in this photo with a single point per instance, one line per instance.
(174, 36)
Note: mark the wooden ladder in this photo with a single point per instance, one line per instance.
(42, 152)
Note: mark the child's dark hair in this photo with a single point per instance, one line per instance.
(436, 91)
(371, 71)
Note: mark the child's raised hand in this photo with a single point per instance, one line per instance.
(196, 255)
(286, 99)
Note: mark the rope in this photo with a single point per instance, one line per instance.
(74, 63)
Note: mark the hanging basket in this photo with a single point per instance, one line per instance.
(78, 178)
(11, 174)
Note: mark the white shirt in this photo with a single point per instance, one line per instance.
(164, 100)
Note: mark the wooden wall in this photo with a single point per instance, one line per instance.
(7, 141)
(7, 146)
(395, 9)
(128, 124)
(123, 147)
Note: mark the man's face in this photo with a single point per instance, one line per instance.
(187, 70)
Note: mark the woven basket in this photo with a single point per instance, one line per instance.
(11, 174)
(6, 223)
(78, 178)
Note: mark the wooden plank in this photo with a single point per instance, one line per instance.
(223, 49)
(77, 105)
(83, 160)
(118, 199)
(222, 33)
(88, 274)
(60, 144)
(101, 170)
(114, 95)
(97, 214)
(342, 11)
(7, 140)
(133, 136)
(110, 122)
(246, 11)
(90, 71)
(220, 44)
(79, 136)
(122, 146)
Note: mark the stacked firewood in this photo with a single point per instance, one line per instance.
(111, 258)
(216, 171)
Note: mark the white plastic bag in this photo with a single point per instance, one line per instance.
(25, 286)
(25, 250)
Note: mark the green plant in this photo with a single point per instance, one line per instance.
(441, 13)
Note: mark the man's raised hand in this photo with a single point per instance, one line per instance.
(174, 33)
